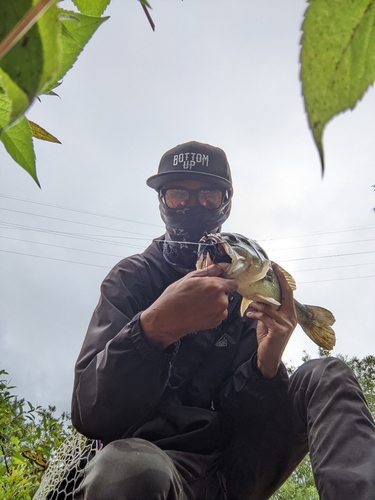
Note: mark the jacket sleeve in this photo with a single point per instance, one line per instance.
(119, 377)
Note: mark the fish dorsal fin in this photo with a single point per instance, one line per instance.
(289, 278)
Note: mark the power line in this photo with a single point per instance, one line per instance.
(322, 245)
(333, 231)
(336, 279)
(64, 248)
(108, 239)
(133, 246)
(75, 236)
(97, 214)
(329, 256)
(78, 210)
(71, 221)
(334, 267)
(52, 258)
(106, 267)
(90, 237)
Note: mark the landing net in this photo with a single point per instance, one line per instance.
(65, 470)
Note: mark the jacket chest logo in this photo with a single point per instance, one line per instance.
(223, 341)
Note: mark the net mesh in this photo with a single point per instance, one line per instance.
(65, 470)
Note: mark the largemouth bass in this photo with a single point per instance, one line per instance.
(245, 261)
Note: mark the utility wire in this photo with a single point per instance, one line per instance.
(64, 248)
(335, 231)
(145, 237)
(329, 256)
(52, 258)
(321, 245)
(76, 236)
(83, 237)
(78, 210)
(71, 221)
(334, 267)
(148, 237)
(336, 279)
(106, 267)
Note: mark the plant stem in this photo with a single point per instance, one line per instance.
(148, 17)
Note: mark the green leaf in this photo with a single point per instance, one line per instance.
(145, 3)
(337, 59)
(18, 141)
(5, 108)
(77, 29)
(40, 133)
(92, 7)
(34, 60)
(18, 100)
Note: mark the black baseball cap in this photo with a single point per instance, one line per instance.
(193, 160)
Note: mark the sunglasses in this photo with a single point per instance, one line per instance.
(178, 198)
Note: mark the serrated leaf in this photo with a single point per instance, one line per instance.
(92, 7)
(5, 108)
(337, 59)
(77, 29)
(40, 133)
(34, 60)
(18, 99)
(18, 141)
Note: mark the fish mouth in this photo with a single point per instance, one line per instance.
(212, 250)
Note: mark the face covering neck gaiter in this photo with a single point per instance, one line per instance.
(184, 228)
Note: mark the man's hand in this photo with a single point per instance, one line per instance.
(274, 328)
(198, 301)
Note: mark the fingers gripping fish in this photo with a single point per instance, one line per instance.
(245, 261)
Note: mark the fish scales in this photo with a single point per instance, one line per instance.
(246, 262)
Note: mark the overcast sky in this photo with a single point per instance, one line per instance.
(221, 72)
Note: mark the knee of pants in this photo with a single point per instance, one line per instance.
(130, 469)
(330, 374)
(316, 367)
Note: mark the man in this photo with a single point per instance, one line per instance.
(190, 399)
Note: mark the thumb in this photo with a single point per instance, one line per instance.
(211, 270)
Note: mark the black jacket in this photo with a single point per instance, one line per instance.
(189, 396)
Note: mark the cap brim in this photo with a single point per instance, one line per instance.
(157, 181)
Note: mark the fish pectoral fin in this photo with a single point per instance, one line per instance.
(267, 300)
(289, 278)
(258, 298)
(244, 303)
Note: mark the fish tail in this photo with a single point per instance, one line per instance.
(316, 322)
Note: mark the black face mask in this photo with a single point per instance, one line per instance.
(184, 228)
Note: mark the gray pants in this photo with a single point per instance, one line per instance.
(325, 413)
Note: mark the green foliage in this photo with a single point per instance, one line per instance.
(364, 370)
(76, 30)
(301, 485)
(35, 64)
(28, 439)
(18, 141)
(91, 7)
(33, 61)
(337, 59)
(30, 436)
